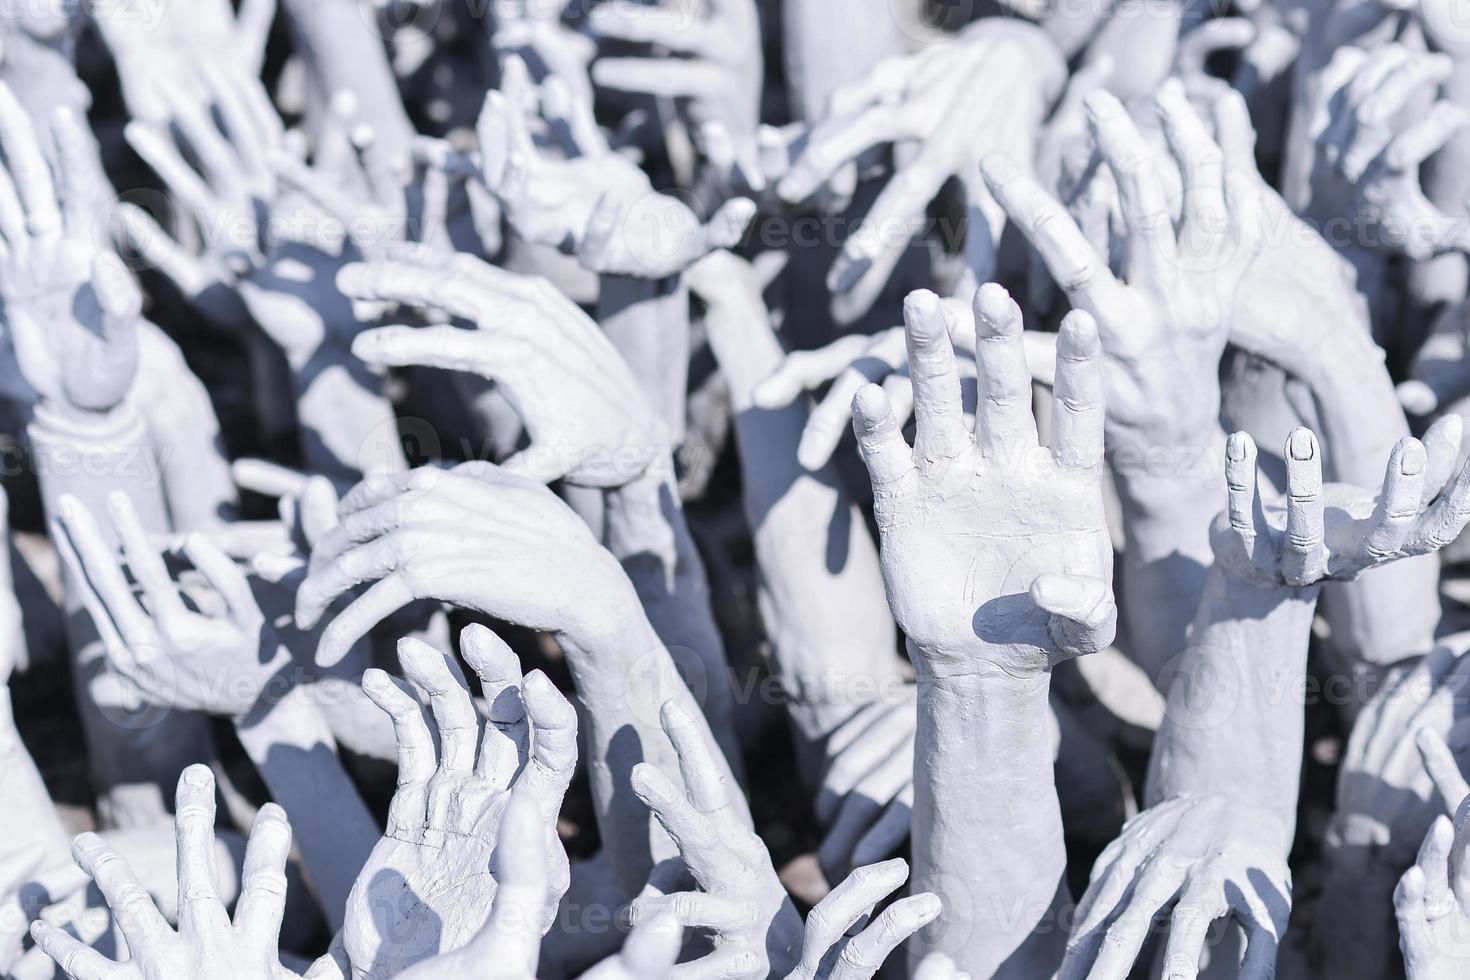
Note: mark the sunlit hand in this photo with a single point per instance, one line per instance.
(429, 885)
(71, 310)
(219, 657)
(1376, 119)
(964, 584)
(720, 69)
(1207, 857)
(1432, 901)
(588, 419)
(1171, 318)
(593, 204)
(1335, 532)
(832, 950)
(741, 901)
(208, 942)
(1000, 76)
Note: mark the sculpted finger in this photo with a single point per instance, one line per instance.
(513, 933)
(1442, 452)
(553, 757)
(1198, 907)
(865, 953)
(507, 739)
(693, 910)
(832, 416)
(416, 763)
(200, 908)
(1401, 501)
(1077, 410)
(1083, 615)
(262, 902)
(76, 959)
(1151, 244)
(137, 917)
(1072, 261)
(704, 779)
(449, 700)
(1004, 425)
(1303, 555)
(938, 410)
(1445, 518)
(887, 456)
(801, 371)
(1443, 769)
(707, 855)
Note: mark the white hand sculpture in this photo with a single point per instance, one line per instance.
(446, 535)
(1211, 857)
(955, 573)
(1173, 314)
(1385, 805)
(866, 799)
(222, 659)
(719, 73)
(429, 885)
(1336, 532)
(1376, 119)
(71, 310)
(585, 412)
(595, 204)
(208, 942)
(741, 901)
(1432, 901)
(831, 950)
(264, 246)
(1001, 76)
(158, 49)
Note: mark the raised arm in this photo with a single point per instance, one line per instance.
(997, 565)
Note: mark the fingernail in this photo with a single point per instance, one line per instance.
(1302, 445)
(1411, 460)
(921, 302)
(1235, 447)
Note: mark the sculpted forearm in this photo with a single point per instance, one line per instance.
(1234, 720)
(644, 528)
(987, 831)
(624, 674)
